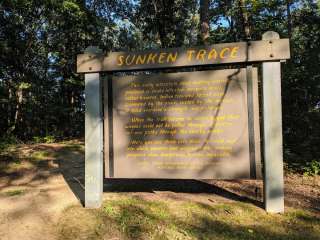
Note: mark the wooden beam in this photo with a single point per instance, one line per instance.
(238, 52)
(272, 126)
(93, 140)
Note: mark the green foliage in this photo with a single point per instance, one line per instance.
(8, 140)
(312, 168)
(37, 139)
(46, 139)
(24, 85)
(41, 95)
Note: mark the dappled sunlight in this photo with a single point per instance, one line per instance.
(133, 217)
(34, 192)
(44, 195)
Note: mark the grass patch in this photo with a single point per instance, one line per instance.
(72, 148)
(41, 155)
(16, 192)
(22, 157)
(125, 217)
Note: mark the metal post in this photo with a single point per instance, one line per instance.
(272, 126)
(93, 139)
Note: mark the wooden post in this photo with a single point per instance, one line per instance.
(93, 138)
(108, 126)
(272, 128)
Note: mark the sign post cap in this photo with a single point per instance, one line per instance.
(93, 50)
(270, 35)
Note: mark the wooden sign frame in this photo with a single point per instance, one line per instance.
(270, 52)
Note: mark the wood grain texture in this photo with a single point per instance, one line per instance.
(238, 52)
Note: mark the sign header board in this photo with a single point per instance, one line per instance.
(239, 52)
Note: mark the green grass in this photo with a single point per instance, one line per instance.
(41, 155)
(124, 217)
(16, 192)
(15, 158)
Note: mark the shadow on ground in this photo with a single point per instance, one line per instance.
(36, 188)
(72, 168)
(49, 160)
(298, 193)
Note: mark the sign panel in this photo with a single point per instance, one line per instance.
(185, 125)
(238, 52)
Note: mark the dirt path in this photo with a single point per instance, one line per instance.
(48, 178)
(32, 214)
(32, 201)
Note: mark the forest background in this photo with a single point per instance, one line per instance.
(42, 96)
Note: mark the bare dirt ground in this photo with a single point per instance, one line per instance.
(49, 178)
(32, 198)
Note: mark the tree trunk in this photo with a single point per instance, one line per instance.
(288, 3)
(232, 30)
(164, 16)
(244, 20)
(17, 111)
(9, 103)
(204, 21)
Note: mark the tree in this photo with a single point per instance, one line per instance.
(41, 94)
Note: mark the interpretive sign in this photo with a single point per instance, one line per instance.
(201, 124)
(185, 125)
